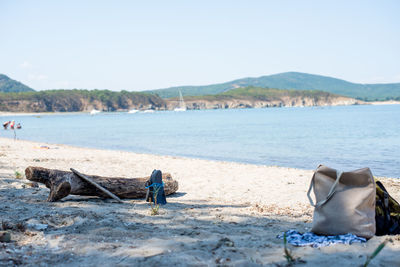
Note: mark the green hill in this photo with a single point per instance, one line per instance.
(293, 80)
(8, 85)
(266, 93)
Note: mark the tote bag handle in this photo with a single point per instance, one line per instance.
(330, 194)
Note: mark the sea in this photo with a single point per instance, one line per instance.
(342, 137)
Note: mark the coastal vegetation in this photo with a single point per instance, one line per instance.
(262, 94)
(77, 100)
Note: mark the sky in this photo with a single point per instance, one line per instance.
(142, 45)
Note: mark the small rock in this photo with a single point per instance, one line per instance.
(224, 242)
(5, 236)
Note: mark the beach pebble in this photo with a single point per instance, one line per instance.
(33, 184)
(5, 236)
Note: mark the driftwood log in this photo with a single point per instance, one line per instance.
(63, 183)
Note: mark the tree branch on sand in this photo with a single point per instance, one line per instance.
(64, 183)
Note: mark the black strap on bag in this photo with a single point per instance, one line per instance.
(386, 224)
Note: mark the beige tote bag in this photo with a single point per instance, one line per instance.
(345, 202)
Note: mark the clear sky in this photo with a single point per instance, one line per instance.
(138, 45)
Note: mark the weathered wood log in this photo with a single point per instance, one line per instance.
(64, 183)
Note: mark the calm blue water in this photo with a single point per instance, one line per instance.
(347, 137)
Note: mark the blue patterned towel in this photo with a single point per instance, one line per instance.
(310, 239)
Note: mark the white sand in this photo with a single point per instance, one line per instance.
(388, 102)
(223, 214)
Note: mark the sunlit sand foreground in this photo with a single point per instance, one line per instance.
(223, 214)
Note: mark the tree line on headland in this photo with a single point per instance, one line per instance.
(77, 100)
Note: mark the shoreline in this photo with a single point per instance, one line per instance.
(175, 156)
(171, 157)
(7, 114)
(223, 213)
(360, 103)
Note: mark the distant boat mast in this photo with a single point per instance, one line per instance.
(182, 105)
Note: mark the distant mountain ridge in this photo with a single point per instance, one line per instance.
(296, 81)
(287, 80)
(8, 85)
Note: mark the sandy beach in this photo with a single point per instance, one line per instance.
(224, 214)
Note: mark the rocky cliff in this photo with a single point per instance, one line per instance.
(255, 103)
